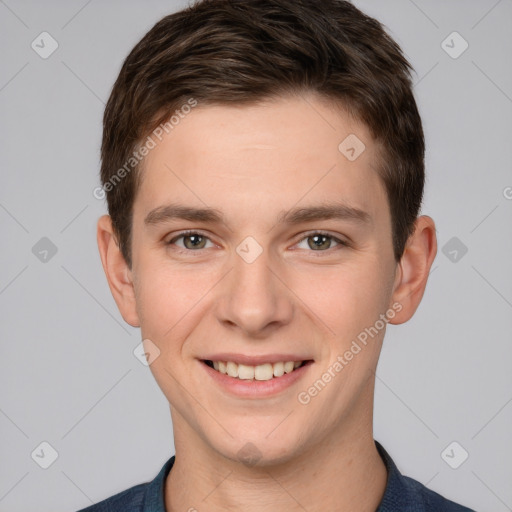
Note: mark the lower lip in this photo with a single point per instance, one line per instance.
(255, 388)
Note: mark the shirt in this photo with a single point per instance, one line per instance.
(402, 494)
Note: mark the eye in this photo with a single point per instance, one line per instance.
(321, 242)
(191, 240)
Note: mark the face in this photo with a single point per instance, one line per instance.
(257, 241)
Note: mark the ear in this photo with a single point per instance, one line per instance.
(119, 276)
(414, 268)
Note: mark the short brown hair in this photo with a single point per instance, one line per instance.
(244, 51)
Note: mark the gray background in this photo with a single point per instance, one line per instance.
(68, 375)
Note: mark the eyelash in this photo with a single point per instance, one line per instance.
(310, 234)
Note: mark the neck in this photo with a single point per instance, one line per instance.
(342, 473)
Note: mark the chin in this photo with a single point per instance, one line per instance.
(258, 451)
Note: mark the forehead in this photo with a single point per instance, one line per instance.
(264, 157)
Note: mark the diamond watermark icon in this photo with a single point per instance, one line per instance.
(454, 455)
(146, 352)
(454, 45)
(454, 249)
(44, 455)
(249, 454)
(44, 250)
(249, 249)
(352, 147)
(44, 45)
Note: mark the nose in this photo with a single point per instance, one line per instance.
(253, 298)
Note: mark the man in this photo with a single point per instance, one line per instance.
(263, 163)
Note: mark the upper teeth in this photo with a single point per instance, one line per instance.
(261, 372)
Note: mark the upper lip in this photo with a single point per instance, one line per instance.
(255, 360)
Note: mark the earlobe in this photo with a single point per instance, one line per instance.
(414, 268)
(119, 276)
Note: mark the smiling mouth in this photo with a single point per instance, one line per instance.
(266, 371)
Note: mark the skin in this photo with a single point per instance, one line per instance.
(252, 162)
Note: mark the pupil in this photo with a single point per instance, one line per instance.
(319, 241)
(194, 239)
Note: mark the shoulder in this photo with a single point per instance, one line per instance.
(129, 500)
(431, 501)
(404, 494)
(145, 497)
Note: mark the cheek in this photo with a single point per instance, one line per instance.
(344, 300)
(161, 291)
(168, 301)
(172, 303)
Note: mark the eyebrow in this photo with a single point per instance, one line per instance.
(169, 212)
